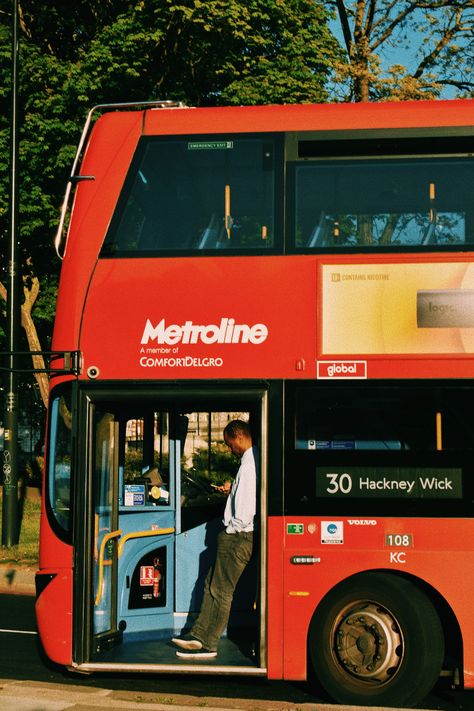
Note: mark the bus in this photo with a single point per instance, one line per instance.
(309, 269)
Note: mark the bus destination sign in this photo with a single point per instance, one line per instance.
(388, 483)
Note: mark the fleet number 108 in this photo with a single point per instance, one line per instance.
(399, 540)
(339, 483)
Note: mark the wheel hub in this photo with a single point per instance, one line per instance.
(368, 642)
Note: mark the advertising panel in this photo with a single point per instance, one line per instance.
(407, 308)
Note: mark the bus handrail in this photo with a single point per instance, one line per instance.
(73, 178)
(143, 534)
(108, 537)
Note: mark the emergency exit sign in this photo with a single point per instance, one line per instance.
(295, 528)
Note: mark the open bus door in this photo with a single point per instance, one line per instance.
(152, 514)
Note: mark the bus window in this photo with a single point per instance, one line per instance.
(383, 203)
(145, 459)
(346, 419)
(193, 195)
(59, 468)
(206, 463)
(383, 418)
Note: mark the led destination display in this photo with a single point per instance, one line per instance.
(388, 482)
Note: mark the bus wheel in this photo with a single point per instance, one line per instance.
(376, 639)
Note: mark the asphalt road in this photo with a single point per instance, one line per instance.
(23, 666)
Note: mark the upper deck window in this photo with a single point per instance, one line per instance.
(386, 203)
(196, 194)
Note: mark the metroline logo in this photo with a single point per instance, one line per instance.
(227, 331)
(342, 369)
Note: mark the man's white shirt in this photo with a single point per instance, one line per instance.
(241, 503)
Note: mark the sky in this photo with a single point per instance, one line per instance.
(406, 53)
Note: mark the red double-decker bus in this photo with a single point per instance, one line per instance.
(309, 269)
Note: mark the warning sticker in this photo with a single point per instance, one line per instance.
(146, 575)
(332, 532)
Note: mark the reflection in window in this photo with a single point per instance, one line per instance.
(386, 203)
(60, 460)
(197, 195)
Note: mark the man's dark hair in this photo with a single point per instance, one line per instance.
(236, 427)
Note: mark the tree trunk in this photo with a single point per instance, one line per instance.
(31, 293)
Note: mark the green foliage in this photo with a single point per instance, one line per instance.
(220, 467)
(75, 55)
(26, 552)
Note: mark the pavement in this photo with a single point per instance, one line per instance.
(17, 580)
(35, 696)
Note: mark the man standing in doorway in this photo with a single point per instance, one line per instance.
(234, 549)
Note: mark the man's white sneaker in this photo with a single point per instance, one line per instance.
(196, 654)
(187, 641)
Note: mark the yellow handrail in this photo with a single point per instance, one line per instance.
(103, 543)
(143, 534)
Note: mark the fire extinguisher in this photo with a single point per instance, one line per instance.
(156, 578)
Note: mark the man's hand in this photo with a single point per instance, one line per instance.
(224, 488)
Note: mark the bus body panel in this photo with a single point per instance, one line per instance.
(307, 117)
(275, 564)
(156, 333)
(162, 333)
(54, 615)
(431, 548)
(107, 160)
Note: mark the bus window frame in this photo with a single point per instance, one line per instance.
(353, 152)
(278, 140)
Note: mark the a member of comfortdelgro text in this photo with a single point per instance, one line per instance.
(234, 549)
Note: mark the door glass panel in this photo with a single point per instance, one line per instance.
(105, 521)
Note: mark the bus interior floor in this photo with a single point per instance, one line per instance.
(230, 654)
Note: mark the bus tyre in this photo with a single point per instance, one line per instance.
(376, 639)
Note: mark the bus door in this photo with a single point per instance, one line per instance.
(155, 469)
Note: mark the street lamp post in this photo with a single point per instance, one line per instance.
(10, 462)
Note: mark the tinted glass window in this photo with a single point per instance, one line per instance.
(383, 418)
(383, 203)
(60, 460)
(193, 195)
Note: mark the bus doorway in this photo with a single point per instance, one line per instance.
(154, 511)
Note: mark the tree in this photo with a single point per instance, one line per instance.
(75, 55)
(435, 35)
